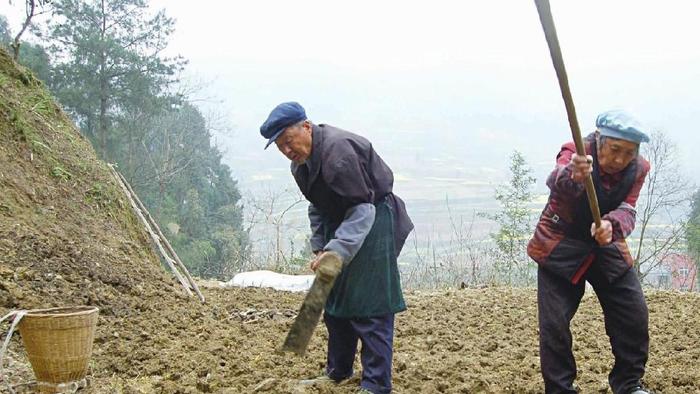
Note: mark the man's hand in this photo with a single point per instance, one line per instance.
(602, 235)
(327, 265)
(314, 263)
(582, 167)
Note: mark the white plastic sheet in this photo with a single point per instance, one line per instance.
(271, 279)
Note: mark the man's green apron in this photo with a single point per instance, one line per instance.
(369, 285)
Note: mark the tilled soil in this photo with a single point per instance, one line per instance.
(453, 341)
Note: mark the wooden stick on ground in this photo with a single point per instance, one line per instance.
(154, 237)
(162, 237)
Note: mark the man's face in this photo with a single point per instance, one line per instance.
(295, 142)
(614, 154)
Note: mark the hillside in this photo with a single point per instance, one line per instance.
(68, 237)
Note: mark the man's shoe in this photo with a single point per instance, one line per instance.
(322, 380)
(319, 380)
(640, 390)
(363, 390)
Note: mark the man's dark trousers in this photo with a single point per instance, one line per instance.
(626, 323)
(376, 335)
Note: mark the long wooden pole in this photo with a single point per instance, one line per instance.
(154, 237)
(550, 34)
(163, 238)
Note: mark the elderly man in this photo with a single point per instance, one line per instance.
(571, 250)
(353, 213)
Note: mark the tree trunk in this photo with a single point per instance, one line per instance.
(104, 85)
(31, 4)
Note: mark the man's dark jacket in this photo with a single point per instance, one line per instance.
(344, 171)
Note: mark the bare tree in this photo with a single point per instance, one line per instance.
(663, 202)
(268, 213)
(428, 267)
(459, 261)
(471, 252)
(169, 150)
(32, 8)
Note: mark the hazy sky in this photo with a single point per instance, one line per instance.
(444, 89)
(468, 80)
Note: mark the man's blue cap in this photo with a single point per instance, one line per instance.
(283, 116)
(621, 125)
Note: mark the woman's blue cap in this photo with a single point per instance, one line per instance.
(621, 125)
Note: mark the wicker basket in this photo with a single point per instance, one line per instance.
(58, 342)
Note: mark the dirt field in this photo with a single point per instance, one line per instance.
(68, 237)
(455, 341)
(461, 341)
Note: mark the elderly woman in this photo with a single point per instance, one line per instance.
(353, 213)
(571, 250)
